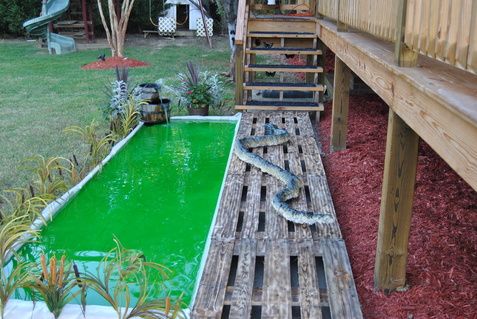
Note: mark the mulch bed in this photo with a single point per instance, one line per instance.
(113, 62)
(442, 262)
(296, 59)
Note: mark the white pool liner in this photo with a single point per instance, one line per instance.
(17, 309)
(21, 309)
(237, 118)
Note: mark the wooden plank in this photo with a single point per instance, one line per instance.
(278, 68)
(286, 35)
(240, 27)
(396, 205)
(309, 291)
(283, 87)
(339, 122)
(211, 292)
(283, 51)
(321, 202)
(279, 108)
(278, 25)
(403, 55)
(343, 297)
(465, 22)
(227, 214)
(437, 101)
(241, 303)
(472, 58)
(239, 74)
(252, 206)
(277, 287)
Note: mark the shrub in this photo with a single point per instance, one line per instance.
(14, 12)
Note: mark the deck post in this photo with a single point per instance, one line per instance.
(396, 205)
(239, 62)
(339, 124)
(403, 55)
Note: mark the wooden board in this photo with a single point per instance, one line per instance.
(277, 68)
(279, 108)
(262, 51)
(260, 265)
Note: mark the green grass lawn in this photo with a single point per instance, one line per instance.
(41, 95)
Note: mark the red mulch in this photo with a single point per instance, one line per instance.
(297, 60)
(442, 263)
(329, 61)
(111, 63)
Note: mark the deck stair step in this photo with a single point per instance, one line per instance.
(283, 68)
(280, 106)
(290, 50)
(278, 86)
(287, 35)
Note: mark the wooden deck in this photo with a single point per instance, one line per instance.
(261, 266)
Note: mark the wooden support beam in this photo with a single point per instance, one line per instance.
(403, 55)
(339, 124)
(396, 205)
(239, 63)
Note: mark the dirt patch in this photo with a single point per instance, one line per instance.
(442, 262)
(111, 63)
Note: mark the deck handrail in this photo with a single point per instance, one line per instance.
(441, 29)
(239, 28)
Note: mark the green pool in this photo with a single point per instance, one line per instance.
(158, 195)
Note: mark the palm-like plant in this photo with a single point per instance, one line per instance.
(55, 284)
(12, 279)
(49, 177)
(23, 203)
(129, 267)
(99, 146)
(13, 229)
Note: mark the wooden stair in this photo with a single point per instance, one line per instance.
(278, 38)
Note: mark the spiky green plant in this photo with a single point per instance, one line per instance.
(13, 229)
(128, 267)
(49, 175)
(99, 146)
(12, 279)
(23, 203)
(55, 283)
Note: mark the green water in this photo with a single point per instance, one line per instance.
(157, 195)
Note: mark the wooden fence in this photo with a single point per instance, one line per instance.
(442, 29)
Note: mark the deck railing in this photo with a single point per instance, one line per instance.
(442, 29)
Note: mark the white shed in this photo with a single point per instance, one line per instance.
(184, 13)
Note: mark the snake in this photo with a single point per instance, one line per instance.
(275, 136)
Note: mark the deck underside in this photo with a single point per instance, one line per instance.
(261, 266)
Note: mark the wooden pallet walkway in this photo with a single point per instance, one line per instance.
(261, 266)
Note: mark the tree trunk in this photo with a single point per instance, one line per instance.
(118, 24)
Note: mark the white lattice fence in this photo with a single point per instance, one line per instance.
(167, 26)
(200, 27)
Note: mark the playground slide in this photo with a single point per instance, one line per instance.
(39, 26)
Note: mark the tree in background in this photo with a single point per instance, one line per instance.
(14, 12)
(117, 27)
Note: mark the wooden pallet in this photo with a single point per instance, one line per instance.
(261, 266)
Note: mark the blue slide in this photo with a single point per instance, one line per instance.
(39, 26)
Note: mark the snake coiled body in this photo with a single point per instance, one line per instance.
(276, 136)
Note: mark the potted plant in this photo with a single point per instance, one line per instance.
(198, 91)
